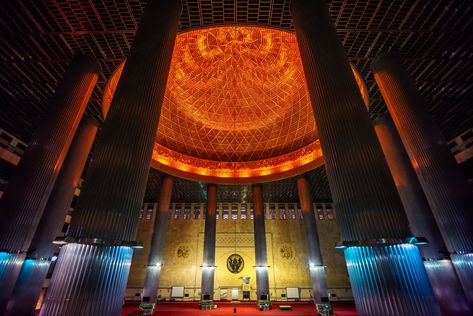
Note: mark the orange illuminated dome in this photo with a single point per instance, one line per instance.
(236, 107)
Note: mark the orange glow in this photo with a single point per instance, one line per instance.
(236, 106)
(180, 165)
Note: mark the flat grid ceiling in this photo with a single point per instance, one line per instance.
(38, 39)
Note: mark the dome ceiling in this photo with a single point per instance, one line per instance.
(236, 107)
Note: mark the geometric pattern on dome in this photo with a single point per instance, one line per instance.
(236, 107)
(236, 94)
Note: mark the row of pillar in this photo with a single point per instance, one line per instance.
(42, 187)
(371, 215)
(155, 261)
(103, 229)
(386, 268)
(442, 181)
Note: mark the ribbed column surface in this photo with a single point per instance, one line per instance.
(208, 262)
(316, 264)
(464, 266)
(88, 280)
(447, 289)
(440, 176)
(261, 259)
(155, 259)
(28, 191)
(445, 284)
(62, 194)
(29, 284)
(28, 287)
(421, 219)
(116, 181)
(390, 280)
(364, 195)
(10, 266)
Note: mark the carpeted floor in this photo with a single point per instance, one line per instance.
(246, 309)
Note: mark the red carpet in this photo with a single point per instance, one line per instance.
(191, 308)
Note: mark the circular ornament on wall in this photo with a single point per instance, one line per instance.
(235, 263)
(287, 252)
(183, 251)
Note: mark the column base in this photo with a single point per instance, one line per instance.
(206, 304)
(88, 280)
(447, 288)
(150, 290)
(464, 267)
(28, 287)
(207, 287)
(390, 280)
(147, 308)
(262, 287)
(264, 305)
(318, 275)
(10, 266)
(324, 309)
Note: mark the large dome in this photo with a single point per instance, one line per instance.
(236, 107)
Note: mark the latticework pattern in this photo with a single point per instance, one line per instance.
(38, 38)
(235, 94)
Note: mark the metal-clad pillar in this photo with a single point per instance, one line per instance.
(261, 259)
(155, 259)
(439, 175)
(28, 191)
(106, 217)
(208, 263)
(317, 269)
(373, 224)
(445, 283)
(33, 272)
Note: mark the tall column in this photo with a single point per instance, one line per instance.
(155, 259)
(33, 272)
(261, 259)
(445, 283)
(91, 272)
(439, 175)
(208, 263)
(386, 272)
(28, 191)
(317, 270)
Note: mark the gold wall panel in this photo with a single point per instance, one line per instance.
(286, 250)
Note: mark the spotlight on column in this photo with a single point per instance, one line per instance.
(207, 266)
(313, 266)
(53, 258)
(155, 265)
(419, 241)
(261, 266)
(59, 241)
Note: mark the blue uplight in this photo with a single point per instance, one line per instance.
(464, 267)
(103, 270)
(390, 280)
(10, 265)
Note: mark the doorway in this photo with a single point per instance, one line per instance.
(235, 294)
